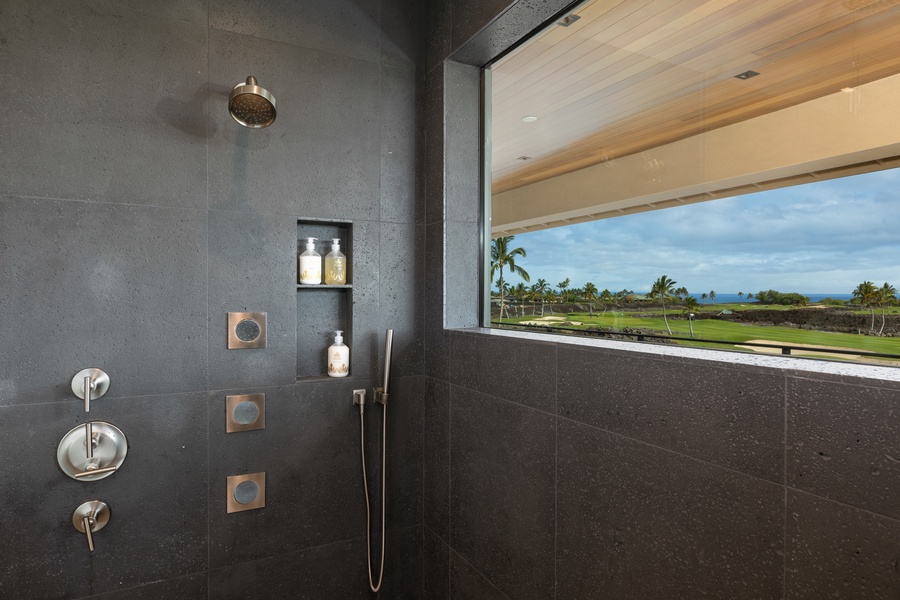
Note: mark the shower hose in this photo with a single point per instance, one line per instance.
(362, 446)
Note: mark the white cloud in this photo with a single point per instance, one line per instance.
(822, 237)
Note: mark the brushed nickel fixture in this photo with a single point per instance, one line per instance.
(246, 492)
(246, 330)
(381, 397)
(92, 451)
(90, 384)
(91, 517)
(251, 105)
(245, 412)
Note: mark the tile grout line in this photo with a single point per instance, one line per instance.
(675, 452)
(556, 479)
(449, 476)
(784, 525)
(208, 458)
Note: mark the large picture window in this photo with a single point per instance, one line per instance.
(702, 173)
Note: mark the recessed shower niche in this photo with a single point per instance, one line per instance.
(322, 308)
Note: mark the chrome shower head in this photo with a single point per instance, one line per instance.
(251, 105)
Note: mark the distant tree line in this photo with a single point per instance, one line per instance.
(663, 290)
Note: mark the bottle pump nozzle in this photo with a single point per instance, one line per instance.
(311, 243)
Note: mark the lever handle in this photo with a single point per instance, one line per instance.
(90, 472)
(91, 517)
(89, 439)
(88, 524)
(88, 384)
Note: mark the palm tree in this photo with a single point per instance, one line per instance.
(662, 290)
(590, 294)
(887, 294)
(741, 295)
(540, 289)
(712, 295)
(562, 285)
(750, 296)
(690, 306)
(703, 296)
(503, 256)
(503, 289)
(520, 292)
(606, 299)
(866, 294)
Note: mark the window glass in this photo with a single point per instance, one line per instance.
(702, 173)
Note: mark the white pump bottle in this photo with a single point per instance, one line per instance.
(338, 357)
(309, 264)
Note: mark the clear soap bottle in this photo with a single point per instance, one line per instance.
(309, 264)
(338, 357)
(335, 265)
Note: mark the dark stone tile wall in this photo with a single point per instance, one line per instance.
(561, 471)
(134, 214)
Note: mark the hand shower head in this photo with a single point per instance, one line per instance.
(251, 105)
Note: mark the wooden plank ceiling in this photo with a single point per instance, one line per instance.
(631, 75)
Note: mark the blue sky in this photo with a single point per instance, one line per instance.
(824, 237)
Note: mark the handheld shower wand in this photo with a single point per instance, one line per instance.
(381, 397)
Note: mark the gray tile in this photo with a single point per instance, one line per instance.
(334, 571)
(120, 288)
(398, 144)
(403, 26)
(478, 37)
(401, 293)
(342, 27)
(190, 11)
(406, 410)
(437, 567)
(437, 349)
(844, 443)
(167, 453)
(403, 566)
(252, 267)
(192, 587)
(321, 157)
(435, 184)
(437, 458)
(639, 522)
(468, 584)
(836, 551)
(437, 346)
(470, 16)
(502, 510)
(310, 453)
(104, 110)
(438, 42)
(462, 131)
(731, 417)
(521, 371)
(462, 301)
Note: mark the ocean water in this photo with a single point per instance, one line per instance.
(735, 299)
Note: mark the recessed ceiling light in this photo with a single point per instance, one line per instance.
(747, 75)
(847, 89)
(568, 20)
(524, 158)
(529, 119)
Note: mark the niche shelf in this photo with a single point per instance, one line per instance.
(322, 309)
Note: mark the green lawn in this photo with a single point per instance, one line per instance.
(726, 330)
